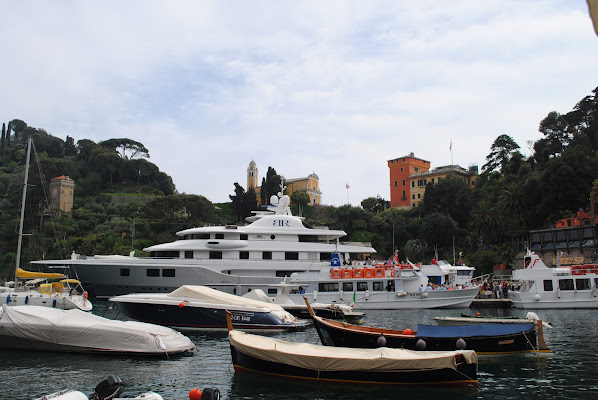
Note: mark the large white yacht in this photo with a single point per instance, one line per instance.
(232, 258)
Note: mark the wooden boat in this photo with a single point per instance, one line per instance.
(483, 339)
(265, 355)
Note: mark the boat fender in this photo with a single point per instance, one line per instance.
(315, 295)
(181, 304)
(381, 342)
(54, 303)
(461, 344)
(195, 394)
(26, 299)
(420, 345)
(594, 291)
(424, 295)
(7, 299)
(210, 394)
(401, 294)
(558, 292)
(407, 332)
(537, 297)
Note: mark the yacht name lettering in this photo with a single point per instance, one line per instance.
(241, 318)
(280, 222)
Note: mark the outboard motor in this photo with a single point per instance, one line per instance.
(210, 394)
(109, 388)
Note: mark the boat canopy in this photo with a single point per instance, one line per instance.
(472, 330)
(320, 358)
(22, 274)
(213, 296)
(78, 329)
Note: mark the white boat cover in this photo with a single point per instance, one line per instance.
(213, 296)
(88, 332)
(325, 358)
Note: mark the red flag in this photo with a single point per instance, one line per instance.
(347, 186)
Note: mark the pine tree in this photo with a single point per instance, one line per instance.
(3, 134)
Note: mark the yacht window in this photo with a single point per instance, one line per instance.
(291, 255)
(566, 284)
(362, 286)
(596, 282)
(203, 236)
(548, 285)
(215, 255)
(220, 236)
(125, 272)
(244, 255)
(328, 287)
(272, 237)
(153, 272)
(168, 273)
(271, 291)
(189, 254)
(377, 286)
(583, 284)
(348, 286)
(267, 255)
(324, 256)
(463, 272)
(244, 236)
(435, 279)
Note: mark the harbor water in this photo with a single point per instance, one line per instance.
(571, 373)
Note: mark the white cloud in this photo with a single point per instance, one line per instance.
(335, 88)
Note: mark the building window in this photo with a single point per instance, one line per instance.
(412, 184)
(125, 272)
(267, 255)
(215, 255)
(419, 195)
(244, 255)
(403, 182)
(168, 273)
(412, 197)
(416, 169)
(396, 183)
(401, 169)
(432, 180)
(153, 272)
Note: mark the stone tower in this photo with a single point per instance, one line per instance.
(252, 178)
(62, 191)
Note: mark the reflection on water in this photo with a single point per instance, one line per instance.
(570, 373)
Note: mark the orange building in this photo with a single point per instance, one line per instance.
(400, 185)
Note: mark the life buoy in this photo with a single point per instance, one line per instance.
(335, 273)
(392, 273)
(368, 273)
(358, 273)
(85, 295)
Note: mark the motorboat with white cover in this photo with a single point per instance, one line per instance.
(202, 308)
(543, 287)
(49, 329)
(231, 258)
(390, 287)
(331, 310)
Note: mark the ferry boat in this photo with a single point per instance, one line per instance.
(233, 258)
(543, 287)
(381, 287)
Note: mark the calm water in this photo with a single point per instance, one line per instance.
(572, 373)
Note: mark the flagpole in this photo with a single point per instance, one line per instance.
(347, 187)
(451, 150)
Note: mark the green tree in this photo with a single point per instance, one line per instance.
(107, 162)
(414, 250)
(300, 199)
(438, 229)
(127, 148)
(243, 203)
(69, 147)
(375, 204)
(85, 148)
(500, 153)
(270, 185)
(486, 221)
(449, 196)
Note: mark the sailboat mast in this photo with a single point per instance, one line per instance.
(23, 197)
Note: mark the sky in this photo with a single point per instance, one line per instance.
(335, 88)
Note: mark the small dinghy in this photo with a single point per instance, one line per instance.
(108, 389)
(49, 329)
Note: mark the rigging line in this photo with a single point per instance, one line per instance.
(11, 181)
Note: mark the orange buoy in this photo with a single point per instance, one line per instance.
(194, 394)
(407, 332)
(181, 304)
(477, 314)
